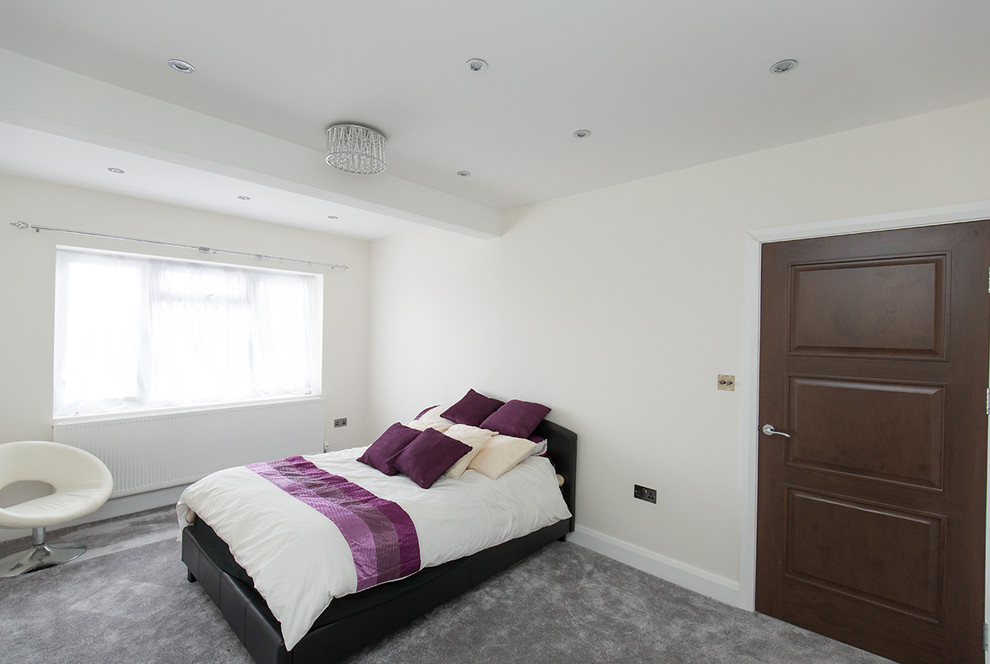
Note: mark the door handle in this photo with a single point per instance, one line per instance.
(769, 431)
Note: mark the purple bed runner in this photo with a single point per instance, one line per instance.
(381, 535)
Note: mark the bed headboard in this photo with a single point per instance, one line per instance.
(562, 452)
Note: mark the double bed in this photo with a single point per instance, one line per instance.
(356, 617)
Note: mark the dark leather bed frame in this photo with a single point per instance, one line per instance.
(356, 621)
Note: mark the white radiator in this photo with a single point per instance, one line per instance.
(151, 452)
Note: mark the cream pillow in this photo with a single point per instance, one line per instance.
(431, 420)
(501, 454)
(475, 437)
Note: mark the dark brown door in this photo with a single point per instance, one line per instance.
(872, 514)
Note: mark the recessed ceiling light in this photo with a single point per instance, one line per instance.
(244, 198)
(464, 174)
(332, 216)
(582, 133)
(115, 170)
(783, 66)
(477, 65)
(181, 66)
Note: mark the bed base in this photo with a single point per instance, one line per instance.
(355, 622)
(256, 627)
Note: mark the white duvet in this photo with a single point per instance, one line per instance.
(297, 557)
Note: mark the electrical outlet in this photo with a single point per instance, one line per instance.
(645, 493)
(340, 422)
(726, 382)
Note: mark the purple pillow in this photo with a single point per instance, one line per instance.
(516, 418)
(390, 443)
(428, 457)
(472, 409)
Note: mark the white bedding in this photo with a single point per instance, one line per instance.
(297, 557)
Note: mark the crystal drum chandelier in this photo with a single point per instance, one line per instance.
(356, 149)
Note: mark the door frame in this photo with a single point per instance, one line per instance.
(754, 240)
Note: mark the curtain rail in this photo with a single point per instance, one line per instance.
(203, 250)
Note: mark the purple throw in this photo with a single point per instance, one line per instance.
(380, 534)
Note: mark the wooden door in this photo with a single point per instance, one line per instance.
(872, 514)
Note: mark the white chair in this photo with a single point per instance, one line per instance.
(82, 484)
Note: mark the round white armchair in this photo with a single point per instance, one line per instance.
(81, 482)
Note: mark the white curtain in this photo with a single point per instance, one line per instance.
(135, 333)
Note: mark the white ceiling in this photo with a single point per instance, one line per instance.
(661, 84)
(29, 153)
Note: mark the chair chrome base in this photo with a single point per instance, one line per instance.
(40, 556)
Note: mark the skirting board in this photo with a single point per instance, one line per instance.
(668, 569)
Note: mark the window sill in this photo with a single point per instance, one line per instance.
(181, 410)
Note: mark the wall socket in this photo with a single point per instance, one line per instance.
(340, 422)
(726, 382)
(645, 493)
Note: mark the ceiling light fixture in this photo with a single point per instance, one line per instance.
(244, 198)
(354, 148)
(582, 133)
(332, 217)
(477, 65)
(181, 66)
(783, 66)
(115, 170)
(464, 174)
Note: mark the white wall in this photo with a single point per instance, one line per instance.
(27, 278)
(619, 307)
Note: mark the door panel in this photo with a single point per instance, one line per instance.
(871, 515)
(898, 429)
(845, 546)
(887, 307)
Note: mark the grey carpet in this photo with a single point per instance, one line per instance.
(127, 600)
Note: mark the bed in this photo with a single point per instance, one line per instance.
(357, 620)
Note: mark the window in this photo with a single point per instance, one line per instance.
(135, 333)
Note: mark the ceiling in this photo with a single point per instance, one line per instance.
(661, 84)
